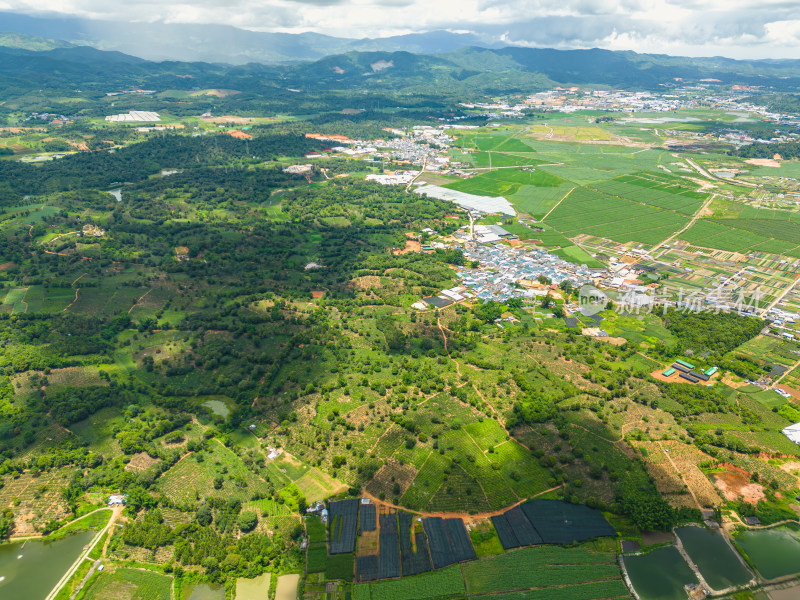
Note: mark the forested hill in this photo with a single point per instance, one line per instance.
(464, 71)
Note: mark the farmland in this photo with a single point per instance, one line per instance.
(523, 574)
(538, 568)
(231, 343)
(136, 584)
(594, 212)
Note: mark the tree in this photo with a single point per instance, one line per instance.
(204, 516)
(247, 520)
(6, 523)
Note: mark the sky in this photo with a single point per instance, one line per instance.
(734, 28)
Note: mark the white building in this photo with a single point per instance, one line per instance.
(135, 116)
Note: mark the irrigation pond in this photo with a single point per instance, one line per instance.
(660, 574)
(718, 563)
(206, 591)
(774, 552)
(31, 569)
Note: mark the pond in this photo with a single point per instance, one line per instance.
(716, 560)
(660, 574)
(31, 569)
(117, 193)
(774, 552)
(205, 591)
(218, 407)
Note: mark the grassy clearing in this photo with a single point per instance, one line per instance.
(485, 540)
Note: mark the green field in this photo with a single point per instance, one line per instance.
(436, 585)
(538, 568)
(507, 182)
(591, 212)
(745, 235)
(132, 584)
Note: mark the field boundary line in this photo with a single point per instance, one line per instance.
(682, 478)
(450, 514)
(691, 222)
(74, 300)
(559, 202)
(139, 300)
(547, 587)
(22, 300)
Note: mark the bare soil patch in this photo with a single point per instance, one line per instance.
(792, 467)
(674, 378)
(728, 380)
(141, 462)
(791, 593)
(220, 93)
(367, 282)
(389, 474)
(763, 162)
(228, 119)
(795, 393)
(368, 543)
(734, 485)
(317, 294)
(706, 212)
(411, 246)
(656, 537)
(616, 341)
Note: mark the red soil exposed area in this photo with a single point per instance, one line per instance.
(411, 246)
(734, 483)
(795, 393)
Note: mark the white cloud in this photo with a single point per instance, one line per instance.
(784, 32)
(738, 28)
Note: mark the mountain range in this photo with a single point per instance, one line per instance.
(71, 53)
(222, 43)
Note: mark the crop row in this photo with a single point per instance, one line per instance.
(595, 590)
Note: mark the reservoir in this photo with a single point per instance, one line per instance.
(31, 569)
